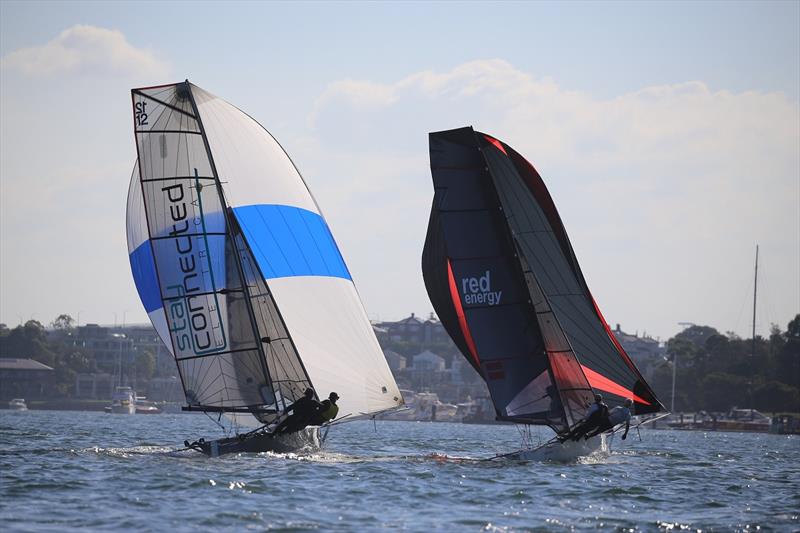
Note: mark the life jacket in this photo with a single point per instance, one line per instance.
(329, 410)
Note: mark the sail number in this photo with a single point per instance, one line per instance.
(140, 113)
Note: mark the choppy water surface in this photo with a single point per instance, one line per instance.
(71, 470)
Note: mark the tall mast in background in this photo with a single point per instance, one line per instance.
(755, 292)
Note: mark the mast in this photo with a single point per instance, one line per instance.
(755, 292)
(229, 229)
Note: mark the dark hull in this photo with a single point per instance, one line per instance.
(306, 439)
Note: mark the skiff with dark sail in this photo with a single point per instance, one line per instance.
(503, 278)
(240, 274)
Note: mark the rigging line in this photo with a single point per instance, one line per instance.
(316, 244)
(241, 365)
(255, 244)
(194, 295)
(513, 181)
(512, 198)
(151, 137)
(278, 362)
(537, 267)
(146, 210)
(229, 223)
(587, 343)
(264, 318)
(200, 375)
(224, 429)
(144, 95)
(259, 276)
(555, 265)
(765, 294)
(183, 140)
(294, 236)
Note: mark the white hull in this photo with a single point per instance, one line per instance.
(561, 452)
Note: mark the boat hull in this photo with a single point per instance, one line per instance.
(561, 452)
(305, 439)
(122, 409)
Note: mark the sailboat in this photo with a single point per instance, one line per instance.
(503, 278)
(240, 274)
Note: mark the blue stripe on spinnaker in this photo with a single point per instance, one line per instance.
(289, 241)
(144, 275)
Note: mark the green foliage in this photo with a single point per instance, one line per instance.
(717, 372)
(145, 365)
(28, 341)
(31, 341)
(717, 390)
(774, 393)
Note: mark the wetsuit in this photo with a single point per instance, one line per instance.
(328, 411)
(303, 410)
(595, 416)
(618, 415)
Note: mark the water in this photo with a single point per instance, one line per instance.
(77, 470)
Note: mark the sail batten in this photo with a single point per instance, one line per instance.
(218, 218)
(490, 203)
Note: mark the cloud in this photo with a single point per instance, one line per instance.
(84, 49)
(667, 187)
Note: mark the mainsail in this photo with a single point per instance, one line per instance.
(237, 268)
(502, 276)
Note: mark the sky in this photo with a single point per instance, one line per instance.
(667, 133)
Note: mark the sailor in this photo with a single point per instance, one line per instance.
(618, 415)
(328, 411)
(597, 413)
(303, 410)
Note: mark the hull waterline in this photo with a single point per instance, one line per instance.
(307, 439)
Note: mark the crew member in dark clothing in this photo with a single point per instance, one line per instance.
(597, 413)
(327, 412)
(618, 415)
(303, 410)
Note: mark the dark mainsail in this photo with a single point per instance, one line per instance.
(502, 276)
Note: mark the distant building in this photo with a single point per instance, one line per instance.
(95, 385)
(647, 353)
(396, 361)
(112, 352)
(457, 370)
(427, 361)
(145, 339)
(165, 389)
(412, 329)
(25, 378)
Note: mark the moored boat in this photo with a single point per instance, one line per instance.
(123, 402)
(17, 404)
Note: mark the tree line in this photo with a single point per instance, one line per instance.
(715, 372)
(57, 349)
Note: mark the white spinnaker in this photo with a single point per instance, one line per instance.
(324, 315)
(252, 166)
(336, 342)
